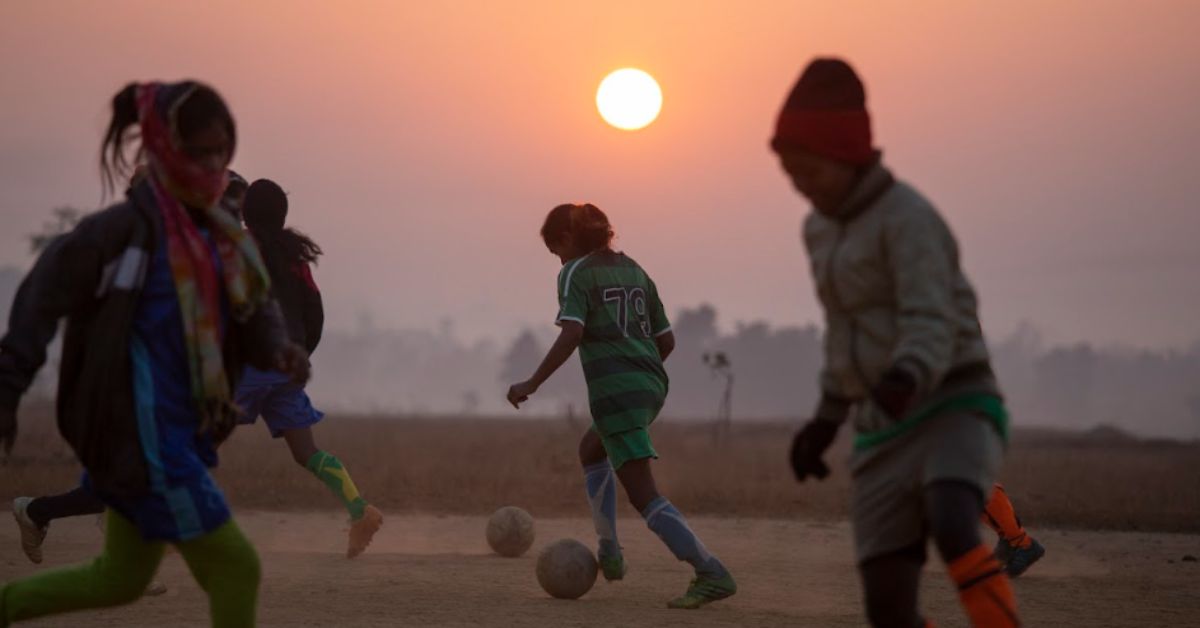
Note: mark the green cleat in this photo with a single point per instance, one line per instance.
(705, 589)
(613, 567)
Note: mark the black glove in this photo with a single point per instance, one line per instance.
(809, 445)
(895, 392)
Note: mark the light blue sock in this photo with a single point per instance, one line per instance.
(665, 520)
(601, 484)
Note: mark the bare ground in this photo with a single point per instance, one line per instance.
(426, 570)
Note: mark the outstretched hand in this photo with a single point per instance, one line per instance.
(519, 393)
(292, 360)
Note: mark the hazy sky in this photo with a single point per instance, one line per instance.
(422, 143)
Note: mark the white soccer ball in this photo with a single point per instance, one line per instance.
(510, 531)
(566, 569)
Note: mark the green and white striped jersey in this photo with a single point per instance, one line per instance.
(618, 305)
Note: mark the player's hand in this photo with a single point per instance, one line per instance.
(292, 360)
(519, 393)
(809, 446)
(8, 428)
(895, 392)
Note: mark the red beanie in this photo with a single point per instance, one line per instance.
(826, 114)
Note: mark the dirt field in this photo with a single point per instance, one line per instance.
(436, 571)
(1116, 514)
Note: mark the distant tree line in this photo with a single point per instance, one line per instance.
(367, 369)
(1154, 393)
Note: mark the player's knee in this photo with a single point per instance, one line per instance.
(123, 587)
(953, 510)
(591, 450)
(638, 481)
(231, 566)
(955, 539)
(245, 566)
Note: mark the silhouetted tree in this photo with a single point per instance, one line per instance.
(720, 366)
(698, 325)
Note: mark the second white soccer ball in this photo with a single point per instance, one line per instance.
(510, 531)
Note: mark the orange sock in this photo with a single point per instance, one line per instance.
(983, 589)
(1000, 516)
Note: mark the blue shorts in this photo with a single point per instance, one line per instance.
(282, 404)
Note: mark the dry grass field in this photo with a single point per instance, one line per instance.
(472, 466)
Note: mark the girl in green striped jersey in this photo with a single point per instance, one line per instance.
(610, 310)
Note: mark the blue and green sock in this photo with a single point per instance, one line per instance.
(668, 523)
(601, 484)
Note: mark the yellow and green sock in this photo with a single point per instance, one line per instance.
(329, 470)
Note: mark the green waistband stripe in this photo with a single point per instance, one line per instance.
(990, 406)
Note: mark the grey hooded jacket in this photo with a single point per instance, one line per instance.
(886, 269)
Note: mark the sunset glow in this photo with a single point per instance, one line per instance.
(410, 134)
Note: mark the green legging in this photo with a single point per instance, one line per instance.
(223, 562)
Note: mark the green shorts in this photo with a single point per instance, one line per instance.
(631, 440)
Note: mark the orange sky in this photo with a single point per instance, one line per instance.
(422, 144)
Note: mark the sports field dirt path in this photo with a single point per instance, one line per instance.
(437, 571)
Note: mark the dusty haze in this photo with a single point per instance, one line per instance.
(422, 145)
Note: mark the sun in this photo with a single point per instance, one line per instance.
(629, 99)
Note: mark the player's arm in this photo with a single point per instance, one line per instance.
(568, 340)
(660, 327)
(923, 258)
(666, 344)
(62, 281)
(313, 310)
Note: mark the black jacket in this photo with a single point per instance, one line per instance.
(300, 301)
(93, 276)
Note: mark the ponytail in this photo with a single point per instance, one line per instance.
(265, 210)
(114, 163)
